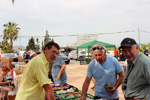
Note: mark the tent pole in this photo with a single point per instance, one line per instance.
(88, 55)
(116, 52)
(77, 54)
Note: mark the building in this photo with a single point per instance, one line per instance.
(85, 39)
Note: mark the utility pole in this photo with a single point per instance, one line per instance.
(20, 41)
(139, 35)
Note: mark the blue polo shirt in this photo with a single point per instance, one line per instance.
(55, 70)
(104, 73)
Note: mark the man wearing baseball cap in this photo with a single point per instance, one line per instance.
(136, 83)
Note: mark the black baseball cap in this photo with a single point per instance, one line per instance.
(127, 42)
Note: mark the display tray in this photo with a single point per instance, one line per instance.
(70, 95)
(65, 89)
(65, 86)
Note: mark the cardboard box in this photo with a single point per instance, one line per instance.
(7, 61)
(11, 97)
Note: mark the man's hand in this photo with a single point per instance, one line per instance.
(111, 91)
(58, 77)
(82, 98)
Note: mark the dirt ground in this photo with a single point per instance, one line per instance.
(76, 76)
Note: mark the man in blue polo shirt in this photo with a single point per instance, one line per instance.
(104, 69)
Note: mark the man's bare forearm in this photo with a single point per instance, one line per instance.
(49, 92)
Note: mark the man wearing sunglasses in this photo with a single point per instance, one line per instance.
(136, 83)
(105, 70)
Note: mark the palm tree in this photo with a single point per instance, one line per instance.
(4, 45)
(10, 32)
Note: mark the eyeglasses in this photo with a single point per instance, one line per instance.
(98, 48)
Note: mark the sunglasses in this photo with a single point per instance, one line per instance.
(98, 48)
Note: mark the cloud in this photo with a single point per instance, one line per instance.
(68, 17)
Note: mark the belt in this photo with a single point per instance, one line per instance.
(128, 98)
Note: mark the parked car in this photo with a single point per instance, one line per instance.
(65, 58)
(70, 56)
(8, 55)
(110, 53)
(73, 54)
(89, 54)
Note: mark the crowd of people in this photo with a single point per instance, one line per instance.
(119, 55)
(106, 72)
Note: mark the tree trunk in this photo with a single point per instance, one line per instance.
(11, 44)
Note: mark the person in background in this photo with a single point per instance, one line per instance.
(136, 83)
(37, 52)
(116, 53)
(146, 51)
(3, 80)
(27, 57)
(16, 56)
(121, 56)
(104, 69)
(32, 54)
(35, 84)
(58, 71)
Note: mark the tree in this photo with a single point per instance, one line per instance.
(37, 46)
(47, 38)
(4, 45)
(42, 45)
(31, 44)
(52, 40)
(10, 32)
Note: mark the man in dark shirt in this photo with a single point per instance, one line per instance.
(146, 51)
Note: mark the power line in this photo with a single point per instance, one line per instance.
(120, 32)
(144, 31)
(81, 34)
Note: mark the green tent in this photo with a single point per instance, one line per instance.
(88, 45)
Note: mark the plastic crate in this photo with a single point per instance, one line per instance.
(73, 98)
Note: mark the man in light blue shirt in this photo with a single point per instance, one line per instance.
(105, 70)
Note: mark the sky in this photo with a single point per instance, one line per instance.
(77, 17)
